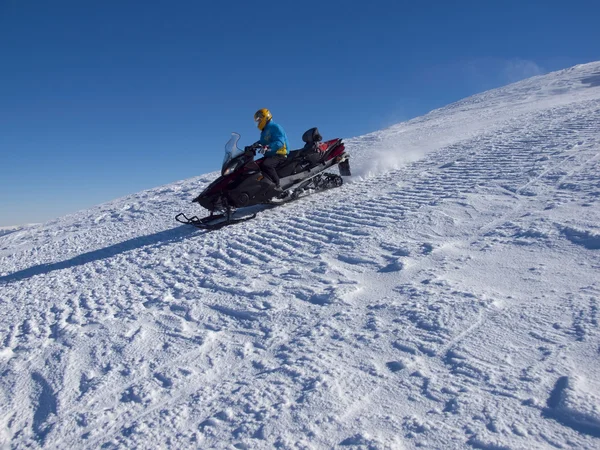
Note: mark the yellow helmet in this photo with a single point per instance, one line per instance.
(262, 117)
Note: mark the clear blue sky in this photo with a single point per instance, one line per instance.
(99, 99)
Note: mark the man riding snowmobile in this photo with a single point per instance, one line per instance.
(275, 142)
(242, 183)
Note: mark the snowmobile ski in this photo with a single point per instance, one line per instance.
(214, 222)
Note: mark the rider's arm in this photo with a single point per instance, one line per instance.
(277, 139)
(276, 145)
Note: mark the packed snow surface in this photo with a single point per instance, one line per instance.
(445, 297)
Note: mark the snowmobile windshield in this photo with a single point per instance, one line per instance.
(231, 150)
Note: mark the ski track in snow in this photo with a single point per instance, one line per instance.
(449, 303)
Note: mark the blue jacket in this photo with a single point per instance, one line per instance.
(274, 136)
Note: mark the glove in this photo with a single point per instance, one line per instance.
(254, 146)
(263, 149)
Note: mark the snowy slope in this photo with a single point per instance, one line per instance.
(11, 229)
(446, 297)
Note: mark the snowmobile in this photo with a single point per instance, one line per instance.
(242, 183)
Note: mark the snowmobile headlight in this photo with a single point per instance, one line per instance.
(231, 168)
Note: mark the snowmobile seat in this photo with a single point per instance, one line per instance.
(306, 157)
(311, 136)
(311, 150)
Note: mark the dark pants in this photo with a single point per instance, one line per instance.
(269, 167)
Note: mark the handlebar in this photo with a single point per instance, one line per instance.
(256, 148)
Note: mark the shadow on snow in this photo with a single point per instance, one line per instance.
(593, 80)
(157, 239)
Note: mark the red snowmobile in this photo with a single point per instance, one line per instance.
(242, 183)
